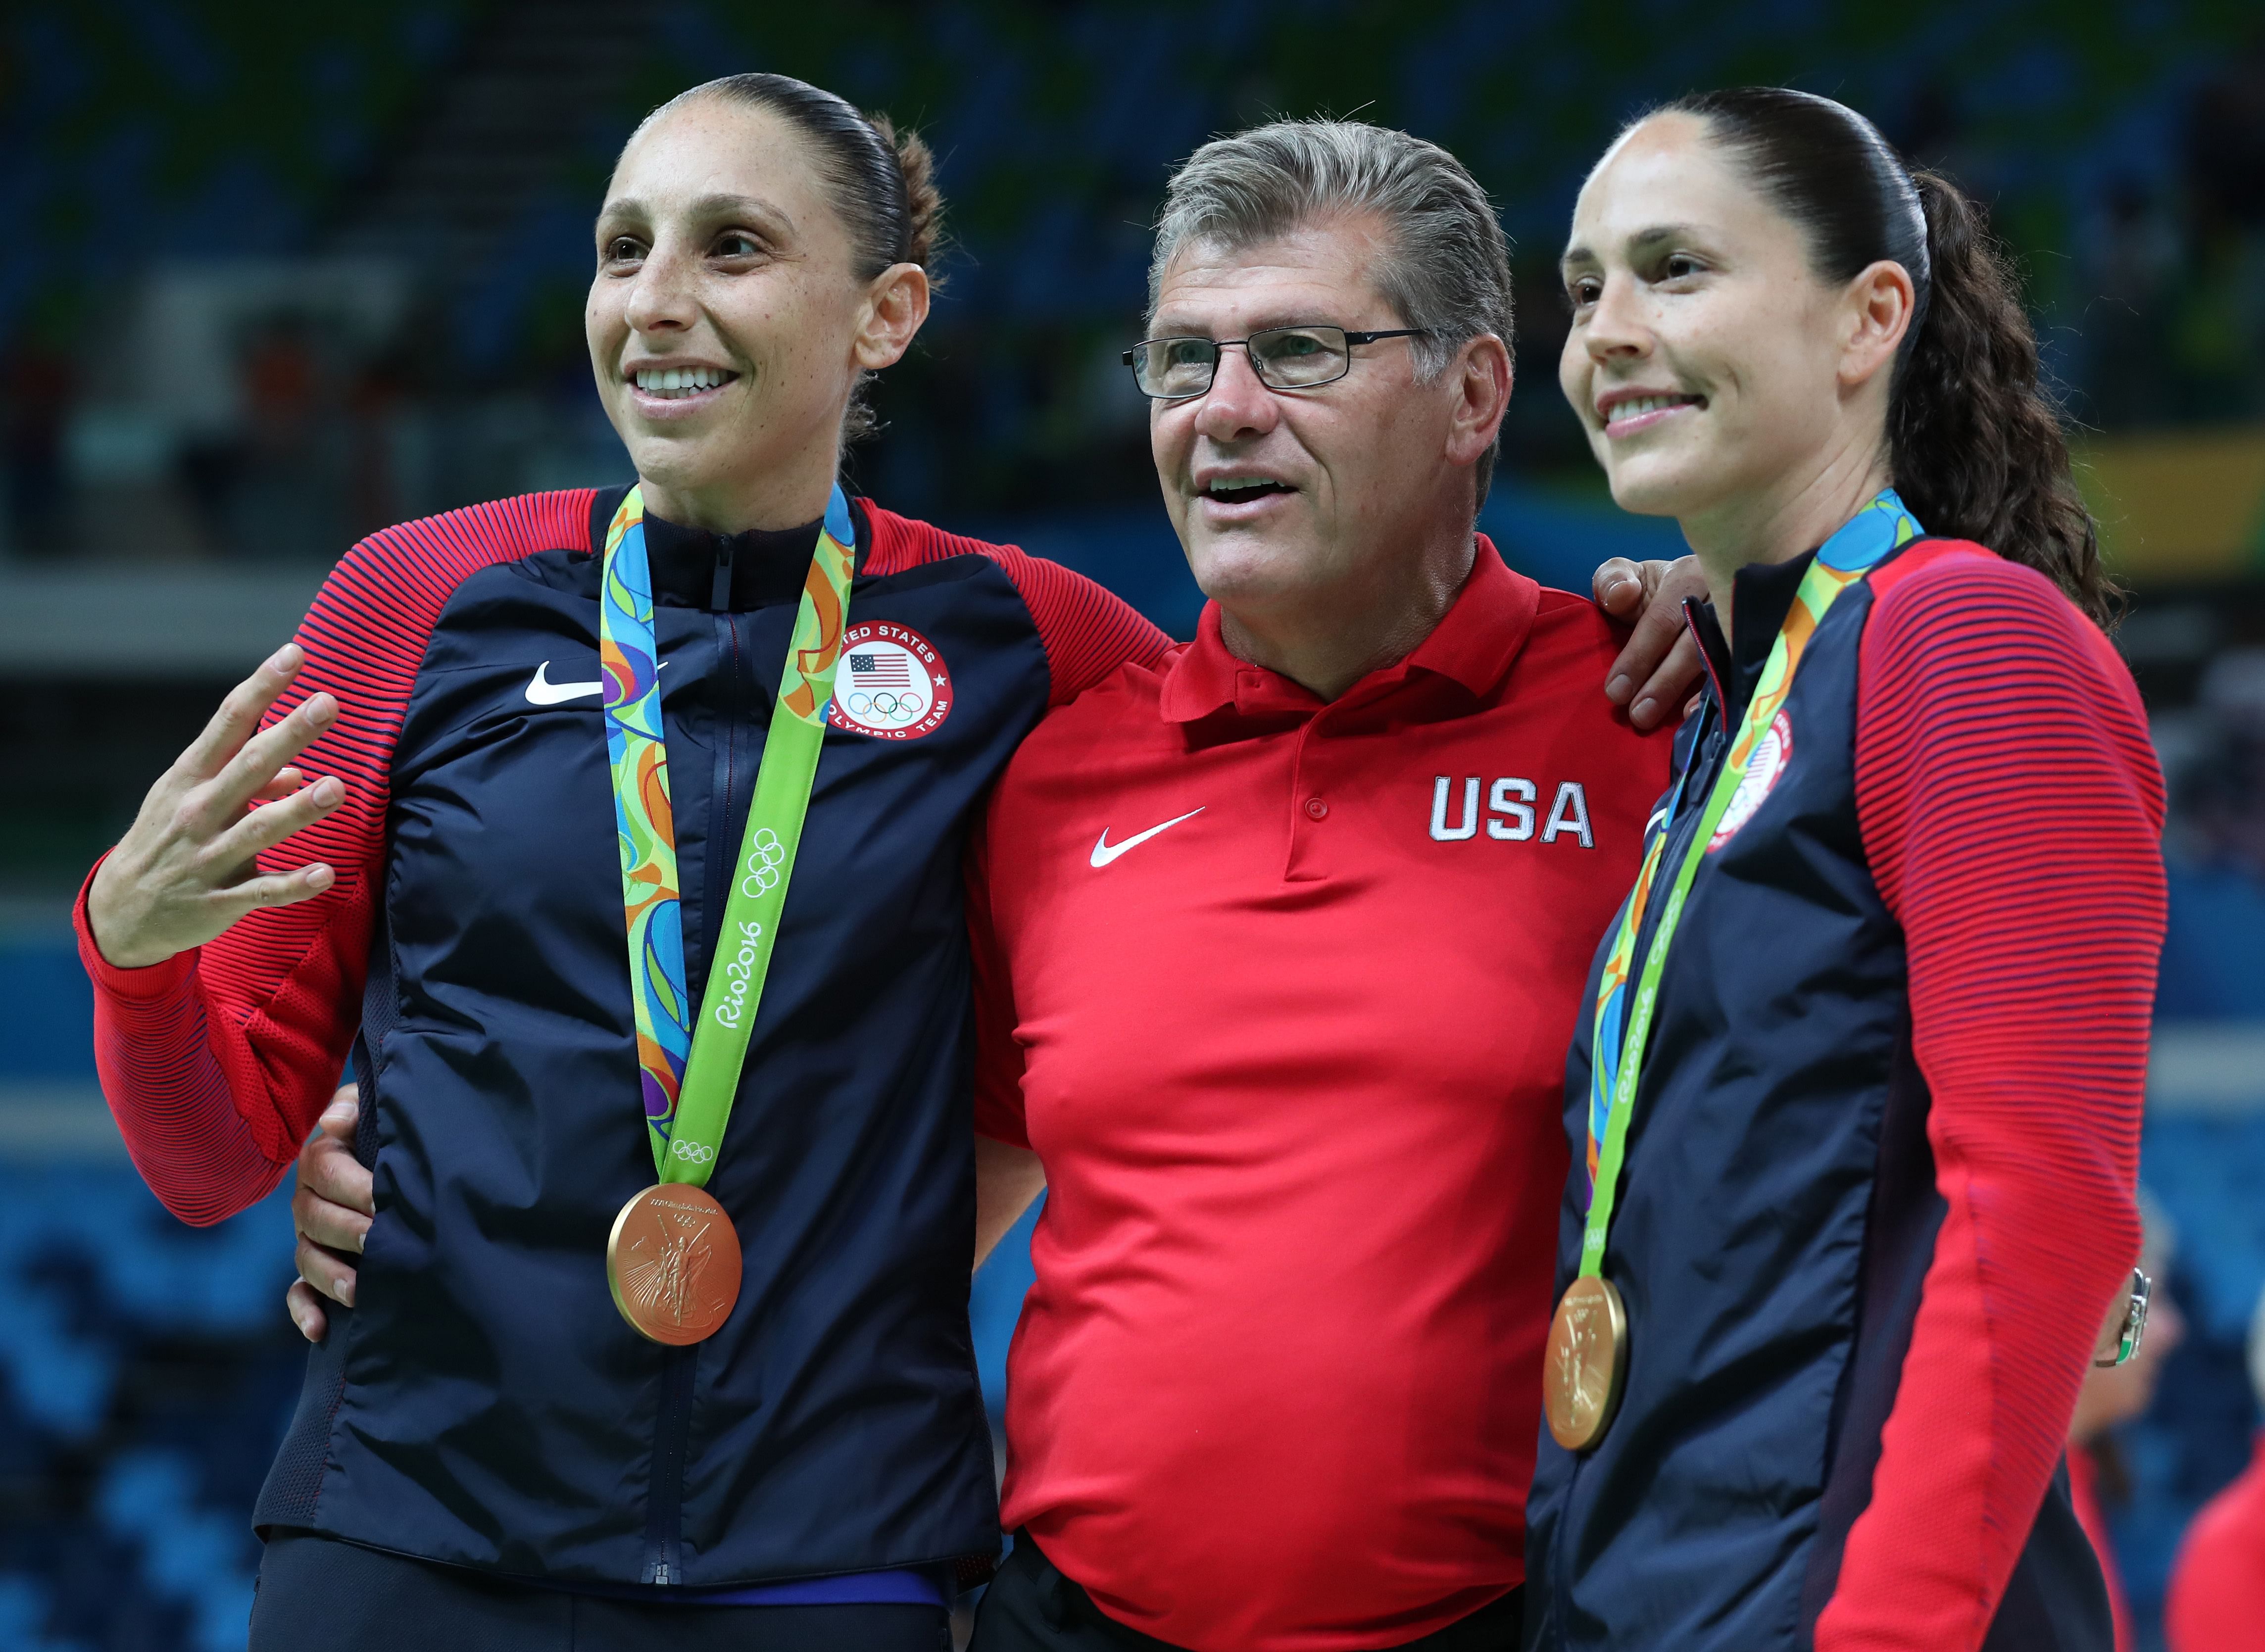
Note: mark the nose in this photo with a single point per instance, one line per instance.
(660, 294)
(1617, 328)
(1237, 406)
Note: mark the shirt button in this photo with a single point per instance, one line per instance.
(1315, 808)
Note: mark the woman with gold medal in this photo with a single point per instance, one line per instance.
(740, 721)
(1855, 1115)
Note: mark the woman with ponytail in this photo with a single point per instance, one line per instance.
(510, 830)
(1856, 1103)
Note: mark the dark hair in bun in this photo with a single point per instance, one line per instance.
(882, 181)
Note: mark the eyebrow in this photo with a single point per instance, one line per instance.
(1169, 327)
(710, 207)
(1643, 241)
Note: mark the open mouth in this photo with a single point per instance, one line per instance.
(679, 384)
(1242, 490)
(1630, 414)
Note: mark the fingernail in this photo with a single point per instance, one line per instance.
(1643, 710)
(322, 708)
(319, 877)
(329, 789)
(1620, 688)
(347, 1291)
(286, 658)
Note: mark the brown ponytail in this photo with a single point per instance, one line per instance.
(1975, 443)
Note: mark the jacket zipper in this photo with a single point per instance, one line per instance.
(664, 1530)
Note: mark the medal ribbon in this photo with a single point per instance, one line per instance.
(690, 1075)
(1617, 1050)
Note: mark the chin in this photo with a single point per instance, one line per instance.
(1239, 570)
(1654, 484)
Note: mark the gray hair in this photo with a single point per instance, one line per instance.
(1447, 268)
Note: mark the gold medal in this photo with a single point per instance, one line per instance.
(674, 1262)
(1586, 1363)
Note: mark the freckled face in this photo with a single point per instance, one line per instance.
(1704, 356)
(723, 310)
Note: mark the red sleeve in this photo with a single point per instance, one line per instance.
(1088, 632)
(2011, 807)
(217, 1061)
(998, 1054)
(2216, 1599)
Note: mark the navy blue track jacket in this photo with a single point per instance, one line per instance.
(484, 1403)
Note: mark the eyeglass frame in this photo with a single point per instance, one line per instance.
(1219, 345)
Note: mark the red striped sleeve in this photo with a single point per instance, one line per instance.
(1087, 631)
(2011, 807)
(218, 1061)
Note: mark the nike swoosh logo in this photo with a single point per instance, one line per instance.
(542, 691)
(1104, 851)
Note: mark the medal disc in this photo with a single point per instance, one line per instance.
(1586, 1362)
(673, 1263)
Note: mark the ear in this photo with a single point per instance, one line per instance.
(1877, 314)
(1480, 378)
(896, 304)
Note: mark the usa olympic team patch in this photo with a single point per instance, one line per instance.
(1772, 753)
(892, 683)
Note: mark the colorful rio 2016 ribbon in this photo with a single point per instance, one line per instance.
(1624, 1023)
(688, 1079)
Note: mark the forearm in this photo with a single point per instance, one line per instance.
(1008, 1181)
(172, 1099)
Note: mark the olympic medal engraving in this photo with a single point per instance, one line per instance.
(1586, 1363)
(673, 1263)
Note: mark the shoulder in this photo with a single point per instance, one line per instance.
(1564, 665)
(387, 593)
(1087, 631)
(431, 556)
(1952, 611)
(1569, 626)
(1952, 585)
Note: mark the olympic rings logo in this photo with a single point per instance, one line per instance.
(883, 707)
(763, 864)
(692, 1151)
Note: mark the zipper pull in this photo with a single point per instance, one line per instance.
(719, 595)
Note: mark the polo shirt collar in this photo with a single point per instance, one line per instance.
(1469, 651)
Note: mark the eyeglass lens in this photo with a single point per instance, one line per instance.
(1284, 358)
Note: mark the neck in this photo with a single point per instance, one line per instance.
(774, 500)
(1778, 523)
(1329, 640)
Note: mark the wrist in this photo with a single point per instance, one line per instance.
(104, 923)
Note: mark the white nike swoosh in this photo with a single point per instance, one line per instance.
(1104, 851)
(542, 691)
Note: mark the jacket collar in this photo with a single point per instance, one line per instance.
(1468, 654)
(734, 572)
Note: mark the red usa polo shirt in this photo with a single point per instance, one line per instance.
(1281, 992)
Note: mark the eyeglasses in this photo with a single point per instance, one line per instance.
(1283, 358)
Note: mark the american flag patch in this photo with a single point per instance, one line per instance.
(879, 671)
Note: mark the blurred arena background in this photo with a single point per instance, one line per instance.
(283, 273)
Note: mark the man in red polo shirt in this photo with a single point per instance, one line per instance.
(1278, 950)
(1277, 946)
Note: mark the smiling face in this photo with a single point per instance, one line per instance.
(726, 323)
(1286, 500)
(1707, 361)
